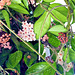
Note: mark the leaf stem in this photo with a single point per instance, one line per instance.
(30, 47)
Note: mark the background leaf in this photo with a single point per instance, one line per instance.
(14, 59)
(4, 55)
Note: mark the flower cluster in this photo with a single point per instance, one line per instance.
(45, 38)
(62, 37)
(3, 2)
(61, 62)
(4, 38)
(27, 32)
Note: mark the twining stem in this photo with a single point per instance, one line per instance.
(12, 70)
(30, 47)
(12, 15)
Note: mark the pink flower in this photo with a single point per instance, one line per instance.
(4, 38)
(3, 2)
(27, 33)
(45, 38)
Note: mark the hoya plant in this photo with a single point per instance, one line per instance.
(37, 37)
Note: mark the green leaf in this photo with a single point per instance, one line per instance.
(14, 59)
(6, 17)
(41, 68)
(41, 47)
(30, 61)
(38, 11)
(57, 29)
(73, 43)
(49, 0)
(65, 54)
(16, 1)
(59, 12)
(71, 72)
(1, 15)
(39, 23)
(14, 39)
(3, 55)
(24, 47)
(53, 40)
(18, 8)
(26, 3)
(72, 55)
(59, 68)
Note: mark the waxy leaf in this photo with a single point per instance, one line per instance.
(4, 55)
(65, 54)
(14, 59)
(73, 43)
(59, 12)
(57, 29)
(49, 0)
(53, 40)
(42, 21)
(16, 1)
(39, 10)
(31, 60)
(41, 68)
(6, 17)
(26, 3)
(24, 47)
(18, 8)
(72, 55)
